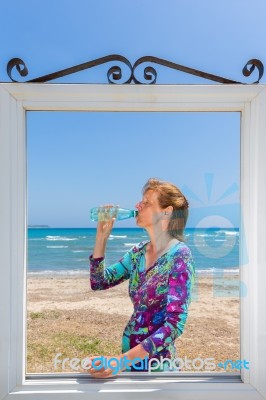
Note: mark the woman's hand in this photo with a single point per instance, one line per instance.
(105, 222)
(110, 367)
(104, 227)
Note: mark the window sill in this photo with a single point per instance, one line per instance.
(185, 386)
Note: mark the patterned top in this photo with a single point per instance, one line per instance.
(160, 294)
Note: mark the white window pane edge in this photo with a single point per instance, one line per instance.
(15, 99)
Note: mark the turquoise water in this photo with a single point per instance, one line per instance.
(65, 251)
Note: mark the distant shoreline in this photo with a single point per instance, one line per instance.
(39, 226)
(125, 227)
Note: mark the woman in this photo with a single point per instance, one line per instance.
(160, 272)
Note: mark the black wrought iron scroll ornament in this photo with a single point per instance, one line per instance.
(114, 74)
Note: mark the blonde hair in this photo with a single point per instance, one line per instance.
(170, 195)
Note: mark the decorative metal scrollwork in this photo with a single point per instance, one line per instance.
(115, 75)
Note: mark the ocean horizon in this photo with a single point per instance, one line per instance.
(65, 251)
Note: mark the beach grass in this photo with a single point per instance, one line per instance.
(53, 332)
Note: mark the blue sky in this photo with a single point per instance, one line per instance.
(88, 159)
(80, 160)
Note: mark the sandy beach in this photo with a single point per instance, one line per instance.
(65, 316)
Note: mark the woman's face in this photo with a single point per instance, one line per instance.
(149, 210)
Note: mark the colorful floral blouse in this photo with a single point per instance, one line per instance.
(160, 295)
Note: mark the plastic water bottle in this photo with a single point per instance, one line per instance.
(104, 213)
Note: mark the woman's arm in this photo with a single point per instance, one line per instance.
(102, 278)
(181, 281)
(100, 246)
(104, 228)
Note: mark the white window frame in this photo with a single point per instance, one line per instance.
(15, 100)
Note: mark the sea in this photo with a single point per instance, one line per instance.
(66, 251)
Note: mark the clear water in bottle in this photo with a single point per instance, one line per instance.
(105, 213)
